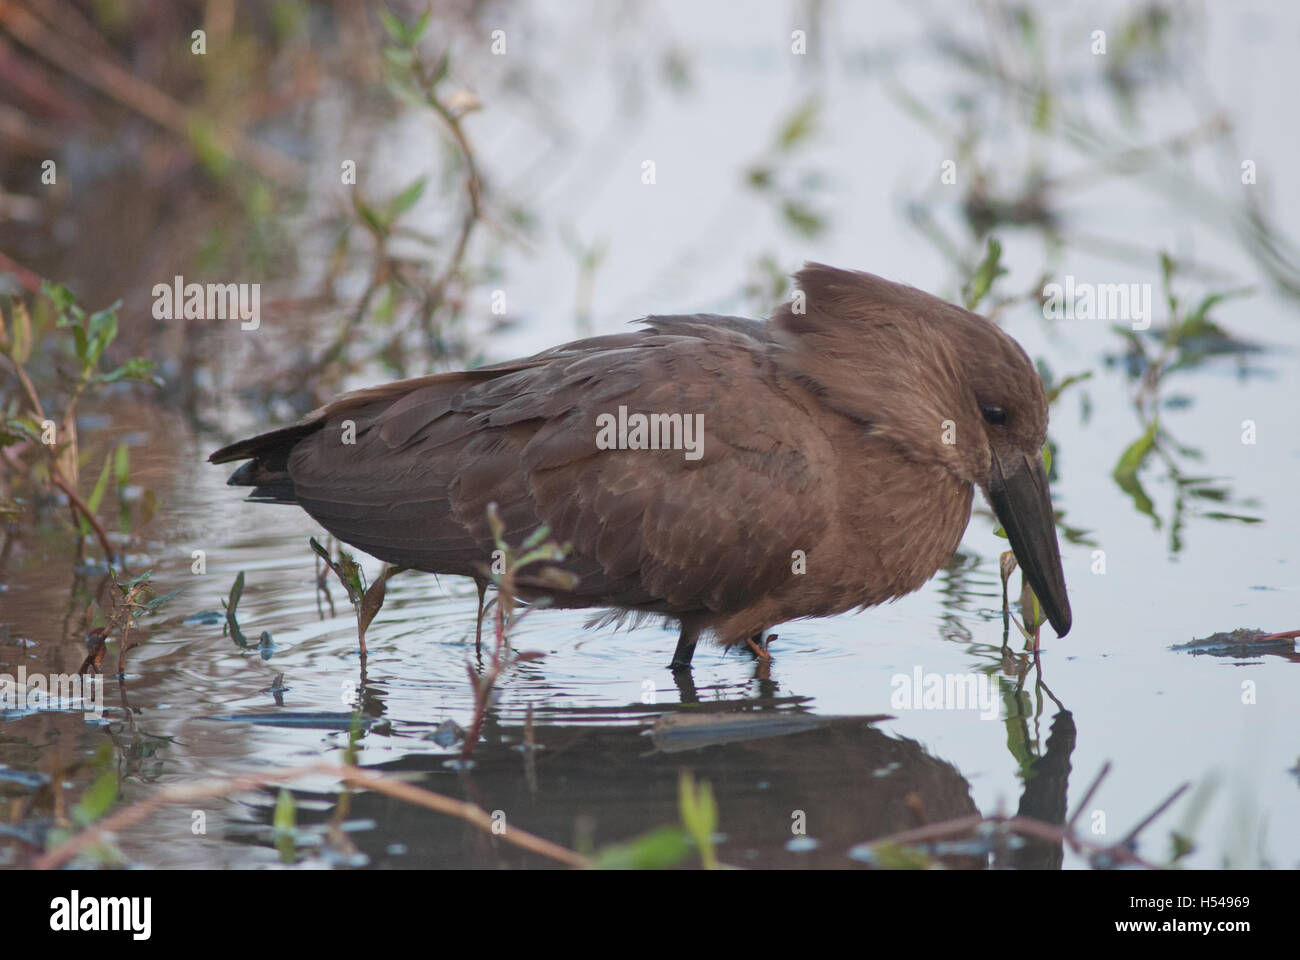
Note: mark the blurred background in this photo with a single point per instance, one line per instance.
(417, 189)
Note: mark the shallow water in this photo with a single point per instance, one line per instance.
(817, 738)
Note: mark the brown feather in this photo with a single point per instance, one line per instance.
(822, 434)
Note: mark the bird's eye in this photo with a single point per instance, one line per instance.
(994, 413)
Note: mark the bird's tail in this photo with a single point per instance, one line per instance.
(267, 469)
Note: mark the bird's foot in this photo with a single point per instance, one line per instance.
(760, 652)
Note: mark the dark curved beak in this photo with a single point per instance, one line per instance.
(1020, 498)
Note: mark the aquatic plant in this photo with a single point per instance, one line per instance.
(36, 446)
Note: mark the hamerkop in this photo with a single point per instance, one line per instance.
(732, 474)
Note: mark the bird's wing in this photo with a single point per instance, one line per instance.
(647, 527)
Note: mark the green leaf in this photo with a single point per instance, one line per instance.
(101, 793)
(404, 201)
(417, 31)
(537, 536)
(26, 428)
(802, 218)
(546, 552)
(157, 602)
(232, 624)
(283, 825)
(1042, 119)
(350, 572)
(1240, 517)
(891, 856)
(1069, 381)
(443, 67)
(1197, 322)
(699, 813)
(1125, 473)
(369, 218)
(147, 507)
(236, 591)
(97, 495)
(759, 177)
(64, 301)
(137, 368)
(94, 350)
(1031, 608)
(355, 732)
(80, 345)
(22, 341)
(1132, 458)
(283, 818)
(989, 270)
(1028, 26)
(1167, 270)
(396, 29)
(799, 125)
(347, 570)
(660, 849)
(558, 579)
(321, 551)
(1181, 846)
(122, 465)
(399, 60)
(102, 327)
(208, 148)
(142, 578)
(385, 308)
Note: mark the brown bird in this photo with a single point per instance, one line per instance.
(730, 473)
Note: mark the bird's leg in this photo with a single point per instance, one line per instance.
(686, 686)
(760, 652)
(685, 646)
(478, 628)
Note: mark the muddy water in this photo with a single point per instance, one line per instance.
(819, 752)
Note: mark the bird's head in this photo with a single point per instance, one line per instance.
(941, 384)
